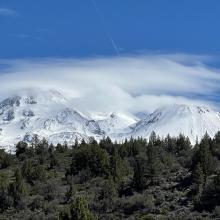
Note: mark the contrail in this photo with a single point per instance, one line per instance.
(114, 45)
(111, 40)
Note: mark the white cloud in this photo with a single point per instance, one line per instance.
(133, 83)
(7, 12)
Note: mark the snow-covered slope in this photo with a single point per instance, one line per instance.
(115, 122)
(45, 113)
(192, 121)
(49, 114)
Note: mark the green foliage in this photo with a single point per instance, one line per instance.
(204, 157)
(41, 149)
(18, 188)
(199, 180)
(135, 179)
(78, 210)
(139, 177)
(107, 145)
(153, 167)
(92, 157)
(33, 172)
(27, 169)
(21, 148)
(118, 167)
(131, 147)
(54, 162)
(39, 173)
(71, 191)
(4, 181)
(61, 148)
(215, 147)
(108, 190)
(5, 159)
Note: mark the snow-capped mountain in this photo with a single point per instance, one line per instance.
(192, 121)
(116, 122)
(50, 114)
(45, 113)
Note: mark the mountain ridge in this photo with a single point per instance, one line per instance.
(50, 114)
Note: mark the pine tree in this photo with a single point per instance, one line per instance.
(153, 162)
(5, 159)
(18, 188)
(27, 170)
(90, 157)
(107, 145)
(117, 166)
(4, 182)
(51, 149)
(139, 178)
(215, 147)
(76, 144)
(21, 148)
(80, 210)
(53, 161)
(203, 156)
(198, 178)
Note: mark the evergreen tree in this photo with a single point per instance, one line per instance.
(203, 156)
(41, 149)
(4, 182)
(18, 188)
(139, 178)
(108, 190)
(5, 159)
(90, 157)
(4, 186)
(154, 166)
(198, 178)
(215, 147)
(21, 148)
(183, 145)
(107, 145)
(51, 149)
(117, 166)
(27, 170)
(76, 144)
(169, 144)
(80, 210)
(60, 148)
(53, 161)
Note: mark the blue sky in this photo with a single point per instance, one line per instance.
(133, 55)
(74, 28)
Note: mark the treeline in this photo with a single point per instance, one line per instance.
(137, 179)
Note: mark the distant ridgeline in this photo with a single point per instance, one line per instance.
(135, 179)
(51, 115)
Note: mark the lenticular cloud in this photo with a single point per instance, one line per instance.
(132, 83)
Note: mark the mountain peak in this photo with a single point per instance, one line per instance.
(191, 120)
(49, 114)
